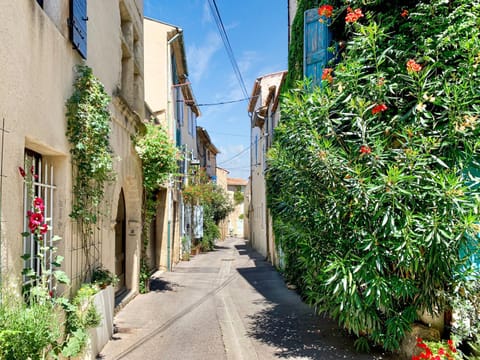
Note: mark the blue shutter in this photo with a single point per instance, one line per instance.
(78, 26)
(317, 39)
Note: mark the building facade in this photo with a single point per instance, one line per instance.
(265, 115)
(236, 192)
(43, 42)
(170, 99)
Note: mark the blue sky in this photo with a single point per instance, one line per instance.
(257, 30)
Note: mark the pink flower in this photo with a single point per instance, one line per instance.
(21, 171)
(379, 108)
(353, 15)
(43, 228)
(38, 204)
(412, 66)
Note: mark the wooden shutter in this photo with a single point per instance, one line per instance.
(317, 39)
(78, 26)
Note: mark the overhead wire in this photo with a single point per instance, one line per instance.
(226, 42)
(235, 156)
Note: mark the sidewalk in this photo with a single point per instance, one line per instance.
(225, 304)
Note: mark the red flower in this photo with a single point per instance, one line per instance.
(21, 171)
(379, 108)
(35, 220)
(404, 13)
(327, 74)
(32, 170)
(353, 15)
(412, 66)
(364, 149)
(451, 346)
(325, 10)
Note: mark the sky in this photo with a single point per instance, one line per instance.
(257, 31)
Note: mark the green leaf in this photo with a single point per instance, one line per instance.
(26, 257)
(61, 277)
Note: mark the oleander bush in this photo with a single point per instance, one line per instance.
(373, 180)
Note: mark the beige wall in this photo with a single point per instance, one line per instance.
(37, 61)
(236, 218)
(259, 219)
(222, 182)
(157, 64)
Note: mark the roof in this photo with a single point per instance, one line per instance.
(267, 81)
(202, 133)
(237, 181)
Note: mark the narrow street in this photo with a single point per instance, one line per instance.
(225, 304)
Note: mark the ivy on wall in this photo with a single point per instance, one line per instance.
(159, 161)
(88, 131)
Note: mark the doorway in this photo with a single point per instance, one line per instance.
(120, 243)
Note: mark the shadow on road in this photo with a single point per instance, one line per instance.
(288, 324)
(159, 285)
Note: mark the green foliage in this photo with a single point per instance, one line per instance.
(159, 161)
(81, 315)
(466, 304)
(104, 277)
(211, 231)
(238, 197)
(370, 207)
(159, 157)
(27, 332)
(88, 131)
(144, 275)
(203, 192)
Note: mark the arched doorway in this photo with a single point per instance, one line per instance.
(120, 242)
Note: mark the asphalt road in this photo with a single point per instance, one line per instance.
(228, 304)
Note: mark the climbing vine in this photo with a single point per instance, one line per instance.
(159, 161)
(88, 131)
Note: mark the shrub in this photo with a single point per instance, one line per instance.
(373, 182)
(27, 332)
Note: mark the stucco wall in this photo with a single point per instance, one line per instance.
(38, 61)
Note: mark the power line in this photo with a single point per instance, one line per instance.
(227, 134)
(236, 155)
(224, 102)
(226, 43)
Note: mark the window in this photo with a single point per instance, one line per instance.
(179, 105)
(78, 26)
(42, 186)
(192, 126)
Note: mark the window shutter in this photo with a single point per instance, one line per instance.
(317, 39)
(78, 26)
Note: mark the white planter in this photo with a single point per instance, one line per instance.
(104, 301)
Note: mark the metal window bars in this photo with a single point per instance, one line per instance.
(42, 186)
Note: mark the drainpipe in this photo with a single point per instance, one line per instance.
(170, 127)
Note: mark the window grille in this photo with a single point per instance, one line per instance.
(42, 186)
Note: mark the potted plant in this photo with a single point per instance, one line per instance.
(103, 277)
